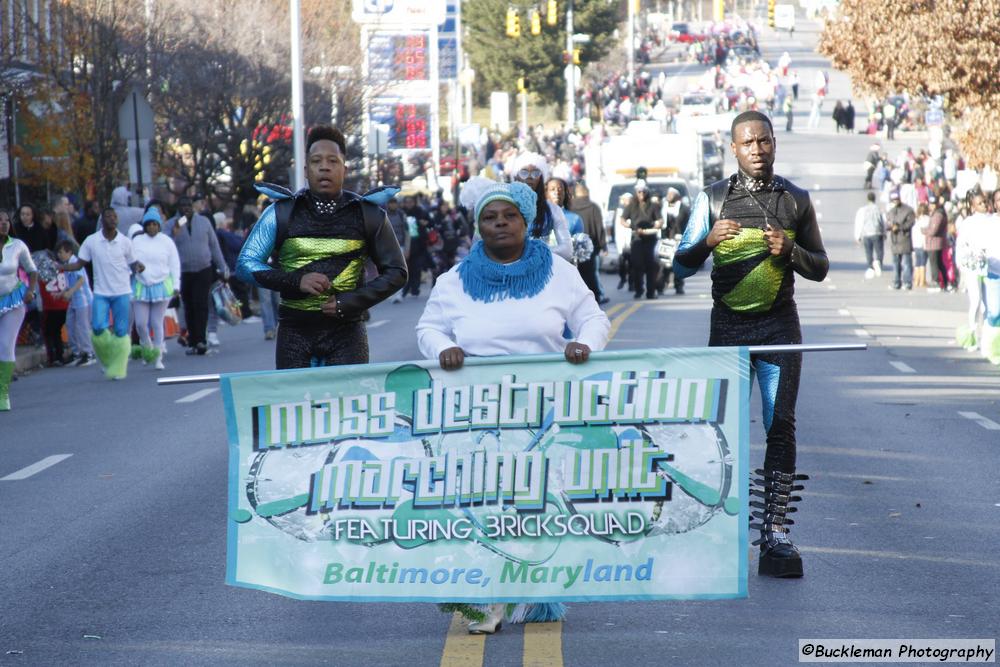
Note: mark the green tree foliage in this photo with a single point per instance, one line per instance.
(499, 60)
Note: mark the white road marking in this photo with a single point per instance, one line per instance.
(35, 468)
(897, 555)
(901, 367)
(876, 478)
(376, 325)
(986, 423)
(861, 333)
(816, 202)
(819, 216)
(844, 312)
(198, 395)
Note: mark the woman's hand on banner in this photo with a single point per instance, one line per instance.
(577, 353)
(452, 358)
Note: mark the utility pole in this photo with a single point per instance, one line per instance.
(298, 130)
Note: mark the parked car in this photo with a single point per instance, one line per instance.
(698, 104)
(681, 32)
(714, 160)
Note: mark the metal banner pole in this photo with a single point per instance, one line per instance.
(754, 349)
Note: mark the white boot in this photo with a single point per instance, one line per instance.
(493, 622)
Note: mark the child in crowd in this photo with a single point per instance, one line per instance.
(53, 318)
(79, 298)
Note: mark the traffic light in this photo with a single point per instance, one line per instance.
(576, 56)
(641, 174)
(513, 23)
(551, 12)
(522, 84)
(536, 22)
(566, 57)
(770, 13)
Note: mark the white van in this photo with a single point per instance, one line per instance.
(784, 17)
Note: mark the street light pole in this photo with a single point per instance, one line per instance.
(570, 69)
(298, 130)
(631, 40)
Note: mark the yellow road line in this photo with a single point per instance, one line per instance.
(610, 312)
(460, 648)
(617, 322)
(543, 645)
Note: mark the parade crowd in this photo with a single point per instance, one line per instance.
(937, 239)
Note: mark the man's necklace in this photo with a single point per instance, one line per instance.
(325, 206)
(750, 185)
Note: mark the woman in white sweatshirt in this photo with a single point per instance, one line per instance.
(153, 288)
(511, 295)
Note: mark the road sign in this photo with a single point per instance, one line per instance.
(500, 110)
(135, 117)
(136, 126)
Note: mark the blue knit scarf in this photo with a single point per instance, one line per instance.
(488, 281)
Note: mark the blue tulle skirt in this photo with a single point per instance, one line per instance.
(13, 299)
(151, 293)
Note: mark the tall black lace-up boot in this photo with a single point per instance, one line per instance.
(775, 489)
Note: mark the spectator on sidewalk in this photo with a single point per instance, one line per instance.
(919, 246)
(53, 315)
(593, 225)
(899, 221)
(935, 238)
(869, 231)
(231, 243)
(201, 258)
(80, 299)
(88, 221)
(402, 231)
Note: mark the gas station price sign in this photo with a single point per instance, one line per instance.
(399, 57)
(409, 123)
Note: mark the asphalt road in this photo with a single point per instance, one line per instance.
(115, 555)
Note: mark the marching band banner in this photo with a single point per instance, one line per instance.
(517, 479)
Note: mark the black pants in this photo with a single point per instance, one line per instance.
(327, 344)
(777, 374)
(938, 271)
(644, 265)
(625, 267)
(195, 286)
(54, 321)
(588, 271)
(415, 268)
(664, 281)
